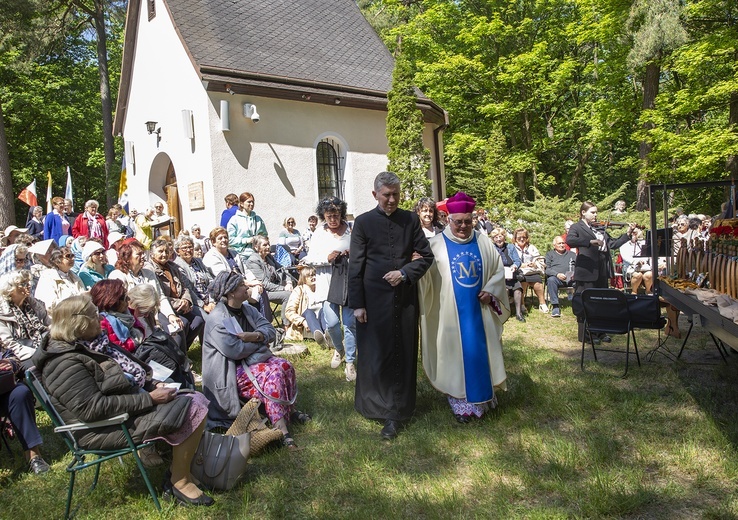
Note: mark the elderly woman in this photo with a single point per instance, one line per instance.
(198, 274)
(131, 271)
(96, 265)
(91, 224)
(329, 253)
(531, 265)
(58, 283)
(23, 319)
(237, 363)
(220, 258)
(511, 262)
(176, 286)
(428, 215)
(35, 224)
(16, 403)
(263, 266)
(56, 224)
(291, 238)
(14, 257)
(75, 375)
(244, 226)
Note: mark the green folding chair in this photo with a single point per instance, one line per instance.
(79, 454)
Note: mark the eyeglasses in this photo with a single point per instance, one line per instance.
(518, 239)
(465, 222)
(290, 221)
(185, 248)
(20, 260)
(98, 252)
(68, 255)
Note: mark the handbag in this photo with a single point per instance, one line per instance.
(220, 459)
(7, 381)
(338, 289)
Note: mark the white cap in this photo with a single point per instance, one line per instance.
(90, 247)
(113, 237)
(11, 228)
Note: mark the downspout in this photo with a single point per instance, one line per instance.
(436, 145)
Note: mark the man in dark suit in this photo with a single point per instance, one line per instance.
(382, 291)
(594, 263)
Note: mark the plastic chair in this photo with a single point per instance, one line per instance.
(606, 312)
(78, 463)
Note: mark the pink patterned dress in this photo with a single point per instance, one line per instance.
(276, 378)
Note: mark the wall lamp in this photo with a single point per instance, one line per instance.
(151, 127)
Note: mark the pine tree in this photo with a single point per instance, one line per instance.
(408, 158)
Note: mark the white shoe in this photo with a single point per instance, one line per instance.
(337, 358)
(319, 338)
(350, 372)
(543, 308)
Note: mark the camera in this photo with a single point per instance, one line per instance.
(249, 110)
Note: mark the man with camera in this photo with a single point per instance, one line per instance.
(559, 272)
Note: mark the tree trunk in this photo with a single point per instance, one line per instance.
(7, 201)
(106, 102)
(650, 91)
(732, 163)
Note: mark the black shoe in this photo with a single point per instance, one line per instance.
(390, 429)
(173, 494)
(463, 419)
(38, 466)
(605, 339)
(520, 317)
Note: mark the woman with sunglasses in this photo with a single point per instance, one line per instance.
(59, 282)
(95, 267)
(291, 239)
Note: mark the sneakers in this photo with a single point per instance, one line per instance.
(319, 337)
(543, 308)
(350, 372)
(337, 358)
(38, 466)
(556, 312)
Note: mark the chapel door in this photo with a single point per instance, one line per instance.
(170, 188)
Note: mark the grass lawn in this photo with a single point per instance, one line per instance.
(562, 444)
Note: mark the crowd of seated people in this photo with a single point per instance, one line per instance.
(120, 296)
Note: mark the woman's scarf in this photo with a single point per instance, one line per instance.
(29, 325)
(132, 369)
(506, 260)
(93, 225)
(125, 325)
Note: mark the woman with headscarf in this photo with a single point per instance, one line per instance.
(58, 283)
(91, 224)
(23, 319)
(96, 265)
(237, 363)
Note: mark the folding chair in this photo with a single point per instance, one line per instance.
(606, 312)
(78, 463)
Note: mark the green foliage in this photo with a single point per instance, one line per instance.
(407, 156)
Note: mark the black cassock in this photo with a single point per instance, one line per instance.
(387, 344)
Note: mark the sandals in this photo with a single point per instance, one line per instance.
(289, 443)
(300, 417)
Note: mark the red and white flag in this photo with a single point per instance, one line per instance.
(28, 195)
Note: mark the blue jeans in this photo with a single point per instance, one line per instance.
(554, 284)
(345, 341)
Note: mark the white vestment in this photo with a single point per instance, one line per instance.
(439, 318)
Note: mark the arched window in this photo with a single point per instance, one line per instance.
(330, 169)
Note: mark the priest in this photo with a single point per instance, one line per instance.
(463, 306)
(389, 254)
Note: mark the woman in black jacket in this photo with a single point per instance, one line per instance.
(89, 386)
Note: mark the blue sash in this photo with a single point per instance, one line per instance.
(466, 272)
